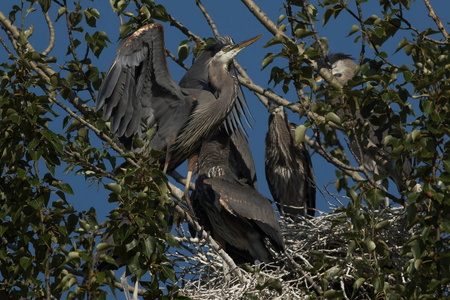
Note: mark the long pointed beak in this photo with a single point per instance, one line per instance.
(238, 47)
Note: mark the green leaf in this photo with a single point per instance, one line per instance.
(131, 245)
(183, 52)
(358, 282)
(169, 272)
(355, 28)
(268, 60)
(370, 244)
(331, 116)
(300, 133)
(114, 187)
(374, 198)
(25, 262)
(149, 246)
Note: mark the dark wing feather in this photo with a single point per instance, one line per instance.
(242, 163)
(138, 87)
(244, 202)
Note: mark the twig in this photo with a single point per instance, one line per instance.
(208, 18)
(266, 22)
(51, 30)
(184, 29)
(323, 52)
(6, 47)
(173, 57)
(436, 19)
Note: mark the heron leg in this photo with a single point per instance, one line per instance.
(136, 289)
(124, 281)
(168, 155)
(191, 165)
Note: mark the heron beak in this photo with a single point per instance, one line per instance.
(238, 47)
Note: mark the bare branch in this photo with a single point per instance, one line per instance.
(264, 19)
(436, 19)
(51, 29)
(173, 57)
(6, 47)
(208, 18)
(184, 29)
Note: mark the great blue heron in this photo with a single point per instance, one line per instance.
(240, 219)
(197, 77)
(289, 171)
(368, 144)
(233, 151)
(139, 89)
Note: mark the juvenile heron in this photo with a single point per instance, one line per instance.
(139, 89)
(371, 151)
(289, 171)
(197, 77)
(240, 219)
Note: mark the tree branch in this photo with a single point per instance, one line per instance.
(51, 30)
(272, 27)
(436, 19)
(208, 18)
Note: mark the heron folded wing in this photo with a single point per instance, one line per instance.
(247, 203)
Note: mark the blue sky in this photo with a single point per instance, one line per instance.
(233, 19)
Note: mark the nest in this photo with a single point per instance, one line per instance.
(316, 261)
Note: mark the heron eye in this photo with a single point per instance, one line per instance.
(226, 48)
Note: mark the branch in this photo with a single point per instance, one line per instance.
(248, 83)
(130, 288)
(51, 29)
(436, 19)
(184, 29)
(272, 27)
(208, 18)
(323, 52)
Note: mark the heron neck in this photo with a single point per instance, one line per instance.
(279, 134)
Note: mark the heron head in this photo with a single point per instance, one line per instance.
(274, 108)
(341, 66)
(228, 52)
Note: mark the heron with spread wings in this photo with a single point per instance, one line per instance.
(138, 93)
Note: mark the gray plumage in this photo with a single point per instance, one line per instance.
(197, 77)
(288, 167)
(138, 90)
(240, 219)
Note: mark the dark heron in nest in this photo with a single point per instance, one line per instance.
(240, 219)
(289, 171)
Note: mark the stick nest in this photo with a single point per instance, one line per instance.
(317, 260)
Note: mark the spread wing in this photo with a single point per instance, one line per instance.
(138, 88)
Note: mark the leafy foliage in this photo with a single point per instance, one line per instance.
(50, 249)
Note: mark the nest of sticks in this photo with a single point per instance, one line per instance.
(316, 261)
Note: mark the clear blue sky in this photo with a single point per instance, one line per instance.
(232, 18)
